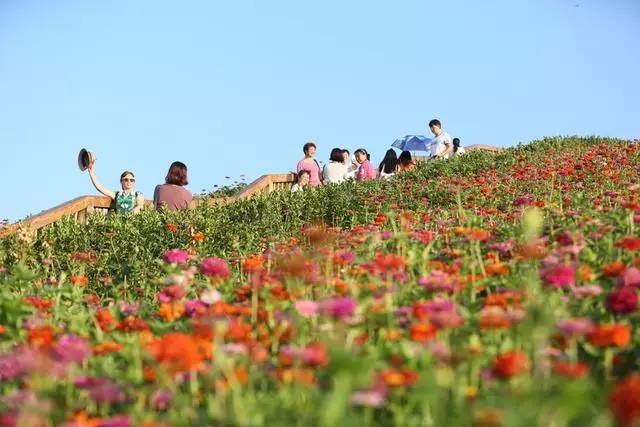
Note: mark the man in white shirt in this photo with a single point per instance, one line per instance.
(441, 145)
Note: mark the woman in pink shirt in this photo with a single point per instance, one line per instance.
(310, 164)
(366, 172)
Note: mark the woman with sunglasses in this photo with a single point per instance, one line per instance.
(126, 201)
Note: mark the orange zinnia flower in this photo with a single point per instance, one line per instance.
(198, 236)
(399, 378)
(610, 335)
(613, 269)
(105, 319)
(171, 311)
(171, 227)
(106, 347)
(2, 330)
(423, 332)
(79, 280)
(176, 351)
(41, 336)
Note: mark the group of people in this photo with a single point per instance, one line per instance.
(309, 173)
(173, 195)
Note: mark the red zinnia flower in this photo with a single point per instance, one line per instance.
(623, 301)
(630, 243)
(510, 364)
(624, 401)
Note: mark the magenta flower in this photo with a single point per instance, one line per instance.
(338, 308)
(623, 301)
(160, 399)
(176, 256)
(307, 308)
(560, 276)
(71, 349)
(215, 268)
(109, 392)
(129, 309)
(194, 307)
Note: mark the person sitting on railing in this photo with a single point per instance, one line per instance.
(335, 171)
(172, 195)
(366, 172)
(310, 164)
(128, 199)
(301, 182)
(406, 161)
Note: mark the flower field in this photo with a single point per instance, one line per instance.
(495, 289)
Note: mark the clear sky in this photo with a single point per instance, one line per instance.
(236, 87)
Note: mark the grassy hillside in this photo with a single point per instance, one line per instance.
(492, 289)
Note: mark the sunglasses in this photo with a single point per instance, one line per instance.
(129, 179)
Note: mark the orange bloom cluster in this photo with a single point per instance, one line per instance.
(571, 370)
(41, 336)
(79, 280)
(399, 377)
(106, 347)
(177, 352)
(612, 335)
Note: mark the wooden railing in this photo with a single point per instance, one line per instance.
(81, 207)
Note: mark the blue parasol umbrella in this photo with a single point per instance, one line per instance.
(412, 143)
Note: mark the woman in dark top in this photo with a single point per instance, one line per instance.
(172, 194)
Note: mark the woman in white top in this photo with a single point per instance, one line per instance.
(302, 182)
(335, 171)
(352, 166)
(389, 165)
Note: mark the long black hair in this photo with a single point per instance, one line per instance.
(405, 158)
(456, 145)
(390, 162)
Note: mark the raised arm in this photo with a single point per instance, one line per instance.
(96, 183)
(139, 203)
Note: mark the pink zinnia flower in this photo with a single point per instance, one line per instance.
(215, 268)
(560, 276)
(371, 398)
(630, 277)
(586, 291)
(575, 327)
(171, 293)
(176, 256)
(623, 301)
(437, 281)
(71, 349)
(307, 308)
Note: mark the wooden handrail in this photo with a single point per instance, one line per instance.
(80, 206)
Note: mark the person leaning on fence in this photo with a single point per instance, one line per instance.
(302, 181)
(441, 145)
(406, 161)
(172, 195)
(366, 172)
(127, 200)
(389, 165)
(310, 164)
(335, 171)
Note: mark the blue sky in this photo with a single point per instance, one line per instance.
(235, 88)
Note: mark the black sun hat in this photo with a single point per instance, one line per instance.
(85, 158)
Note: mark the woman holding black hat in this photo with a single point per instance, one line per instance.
(127, 200)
